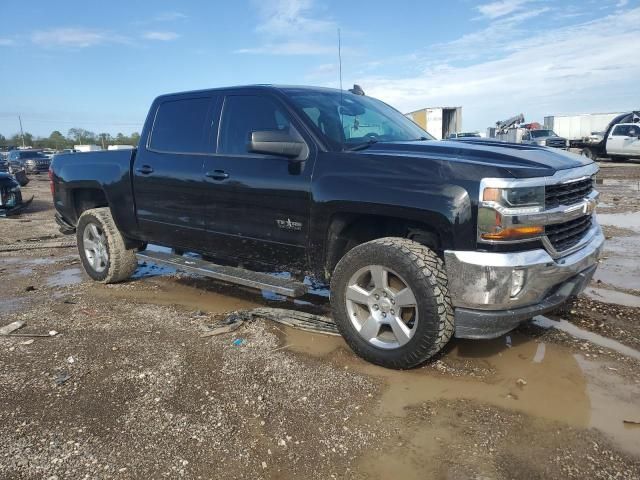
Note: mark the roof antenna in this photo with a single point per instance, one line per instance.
(340, 58)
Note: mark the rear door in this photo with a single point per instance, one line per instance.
(615, 142)
(258, 205)
(167, 176)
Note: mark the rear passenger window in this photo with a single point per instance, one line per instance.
(244, 114)
(181, 126)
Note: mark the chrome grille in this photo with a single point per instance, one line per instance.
(565, 235)
(559, 143)
(567, 193)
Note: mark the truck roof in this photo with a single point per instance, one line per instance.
(260, 86)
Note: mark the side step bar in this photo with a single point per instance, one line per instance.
(239, 276)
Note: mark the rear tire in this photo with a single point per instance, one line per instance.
(102, 248)
(590, 154)
(390, 301)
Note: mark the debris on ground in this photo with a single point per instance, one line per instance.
(62, 377)
(296, 319)
(13, 326)
(291, 318)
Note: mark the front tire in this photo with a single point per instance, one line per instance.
(391, 303)
(102, 249)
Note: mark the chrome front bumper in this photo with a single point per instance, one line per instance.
(481, 285)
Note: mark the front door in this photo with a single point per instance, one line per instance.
(259, 205)
(631, 144)
(167, 172)
(615, 142)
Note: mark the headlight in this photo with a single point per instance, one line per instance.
(499, 211)
(541, 142)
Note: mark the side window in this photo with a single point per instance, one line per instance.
(621, 131)
(181, 126)
(243, 114)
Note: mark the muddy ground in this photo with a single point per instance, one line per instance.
(129, 389)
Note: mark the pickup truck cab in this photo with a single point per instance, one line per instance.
(624, 141)
(620, 141)
(419, 239)
(547, 138)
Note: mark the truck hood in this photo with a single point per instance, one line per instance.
(518, 159)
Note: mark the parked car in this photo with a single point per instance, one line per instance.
(546, 138)
(11, 201)
(459, 135)
(31, 161)
(420, 240)
(4, 163)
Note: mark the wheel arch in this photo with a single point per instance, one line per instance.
(349, 229)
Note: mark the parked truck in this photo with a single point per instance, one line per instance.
(619, 141)
(419, 240)
(578, 128)
(515, 130)
(440, 122)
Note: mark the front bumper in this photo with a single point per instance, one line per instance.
(480, 285)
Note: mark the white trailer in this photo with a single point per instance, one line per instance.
(87, 148)
(578, 127)
(438, 121)
(120, 147)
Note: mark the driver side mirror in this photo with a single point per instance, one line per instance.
(278, 142)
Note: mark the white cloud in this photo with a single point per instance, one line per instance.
(161, 36)
(289, 18)
(73, 37)
(169, 16)
(565, 70)
(500, 8)
(7, 42)
(291, 27)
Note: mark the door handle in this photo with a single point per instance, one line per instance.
(218, 175)
(144, 169)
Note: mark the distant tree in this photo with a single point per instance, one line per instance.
(121, 139)
(105, 139)
(17, 140)
(81, 136)
(57, 140)
(135, 138)
(3, 140)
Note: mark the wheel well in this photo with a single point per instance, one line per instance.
(87, 198)
(348, 231)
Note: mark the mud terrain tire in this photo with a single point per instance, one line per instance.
(423, 272)
(115, 263)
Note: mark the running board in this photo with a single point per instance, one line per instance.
(239, 276)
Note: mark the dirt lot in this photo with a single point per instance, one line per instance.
(129, 389)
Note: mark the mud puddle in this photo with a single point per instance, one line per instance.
(64, 278)
(612, 296)
(167, 291)
(582, 334)
(620, 265)
(545, 381)
(629, 220)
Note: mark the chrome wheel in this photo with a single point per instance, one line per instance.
(382, 307)
(94, 243)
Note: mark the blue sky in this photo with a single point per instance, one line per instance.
(98, 65)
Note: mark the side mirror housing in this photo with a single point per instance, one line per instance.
(278, 142)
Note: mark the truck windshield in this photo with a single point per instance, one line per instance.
(543, 133)
(348, 120)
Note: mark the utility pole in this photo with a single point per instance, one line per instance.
(21, 132)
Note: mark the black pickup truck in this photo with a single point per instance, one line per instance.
(420, 239)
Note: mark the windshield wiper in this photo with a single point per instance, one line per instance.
(419, 139)
(360, 146)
